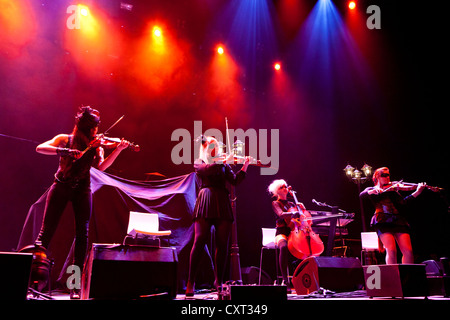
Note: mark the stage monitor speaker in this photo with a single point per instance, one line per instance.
(15, 269)
(331, 273)
(250, 275)
(437, 277)
(396, 280)
(258, 293)
(130, 272)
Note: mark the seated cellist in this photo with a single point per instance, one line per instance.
(281, 206)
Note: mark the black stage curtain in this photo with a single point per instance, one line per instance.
(173, 199)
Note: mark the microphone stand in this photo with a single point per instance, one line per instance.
(235, 264)
(334, 222)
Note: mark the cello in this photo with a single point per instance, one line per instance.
(303, 242)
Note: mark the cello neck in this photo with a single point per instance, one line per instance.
(297, 204)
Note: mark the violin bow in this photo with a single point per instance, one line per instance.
(113, 125)
(229, 150)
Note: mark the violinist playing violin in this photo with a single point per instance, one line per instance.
(213, 208)
(388, 221)
(78, 151)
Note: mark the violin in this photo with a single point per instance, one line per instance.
(239, 159)
(406, 186)
(109, 142)
(303, 242)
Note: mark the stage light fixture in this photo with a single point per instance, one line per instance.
(220, 50)
(277, 66)
(157, 31)
(352, 5)
(84, 11)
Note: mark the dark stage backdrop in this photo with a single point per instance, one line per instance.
(348, 95)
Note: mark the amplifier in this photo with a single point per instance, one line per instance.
(396, 280)
(15, 269)
(331, 273)
(128, 272)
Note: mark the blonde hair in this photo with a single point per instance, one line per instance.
(205, 150)
(275, 185)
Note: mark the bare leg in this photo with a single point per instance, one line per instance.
(388, 241)
(404, 243)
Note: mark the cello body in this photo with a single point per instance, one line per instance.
(303, 242)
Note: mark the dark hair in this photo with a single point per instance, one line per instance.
(87, 119)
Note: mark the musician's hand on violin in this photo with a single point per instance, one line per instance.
(123, 144)
(246, 163)
(72, 153)
(375, 190)
(419, 189)
(97, 142)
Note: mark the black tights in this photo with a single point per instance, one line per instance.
(283, 260)
(58, 197)
(202, 235)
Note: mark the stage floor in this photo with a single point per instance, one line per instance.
(213, 296)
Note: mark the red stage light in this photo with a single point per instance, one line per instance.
(277, 66)
(352, 5)
(220, 50)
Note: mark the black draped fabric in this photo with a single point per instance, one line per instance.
(113, 198)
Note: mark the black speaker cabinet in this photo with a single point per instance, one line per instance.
(331, 273)
(130, 272)
(15, 269)
(396, 280)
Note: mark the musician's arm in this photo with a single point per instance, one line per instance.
(277, 209)
(106, 163)
(57, 146)
(419, 189)
(53, 146)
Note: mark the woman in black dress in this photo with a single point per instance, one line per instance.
(212, 208)
(388, 221)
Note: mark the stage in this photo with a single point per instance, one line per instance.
(207, 295)
(308, 88)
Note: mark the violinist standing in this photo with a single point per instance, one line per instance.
(72, 180)
(389, 222)
(282, 207)
(212, 208)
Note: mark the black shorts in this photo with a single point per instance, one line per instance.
(381, 228)
(283, 230)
